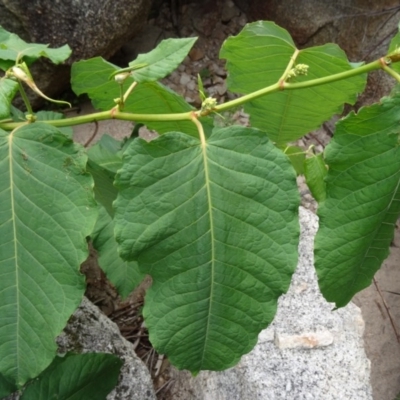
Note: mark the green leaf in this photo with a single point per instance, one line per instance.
(104, 190)
(362, 204)
(315, 172)
(47, 211)
(106, 153)
(8, 89)
(258, 57)
(216, 226)
(13, 48)
(124, 275)
(50, 116)
(6, 388)
(76, 377)
(105, 159)
(91, 77)
(297, 157)
(161, 61)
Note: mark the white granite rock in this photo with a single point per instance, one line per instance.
(309, 352)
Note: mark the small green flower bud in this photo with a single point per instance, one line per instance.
(208, 104)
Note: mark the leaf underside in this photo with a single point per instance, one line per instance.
(258, 57)
(362, 204)
(216, 227)
(47, 210)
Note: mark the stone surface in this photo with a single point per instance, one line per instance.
(325, 358)
(91, 28)
(89, 330)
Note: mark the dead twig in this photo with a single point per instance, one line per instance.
(96, 128)
(387, 311)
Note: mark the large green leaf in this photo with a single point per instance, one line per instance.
(47, 211)
(76, 377)
(124, 275)
(258, 57)
(216, 227)
(362, 204)
(91, 77)
(8, 89)
(162, 60)
(12, 47)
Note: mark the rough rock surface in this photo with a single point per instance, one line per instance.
(309, 352)
(91, 28)
(89, 330)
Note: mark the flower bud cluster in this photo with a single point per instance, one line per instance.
(299, 69)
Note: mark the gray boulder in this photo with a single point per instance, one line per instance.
(90, 27)
(89, 330)
(309, 352)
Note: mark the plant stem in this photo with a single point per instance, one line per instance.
(128, 92)
(106, 115)
(115, 114)
(300, 85)
(25, 98)
(200, 129)
(391, 72)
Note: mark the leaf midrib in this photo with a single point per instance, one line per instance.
(210, 212)
(17, 336)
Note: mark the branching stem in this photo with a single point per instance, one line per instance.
(280, 85)
(391, 72)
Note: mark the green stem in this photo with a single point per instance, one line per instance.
(107, 115)
(300, 85)
(25, 98)
(128, 92)
(391, 72)
(289, 66)
(115, 114)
